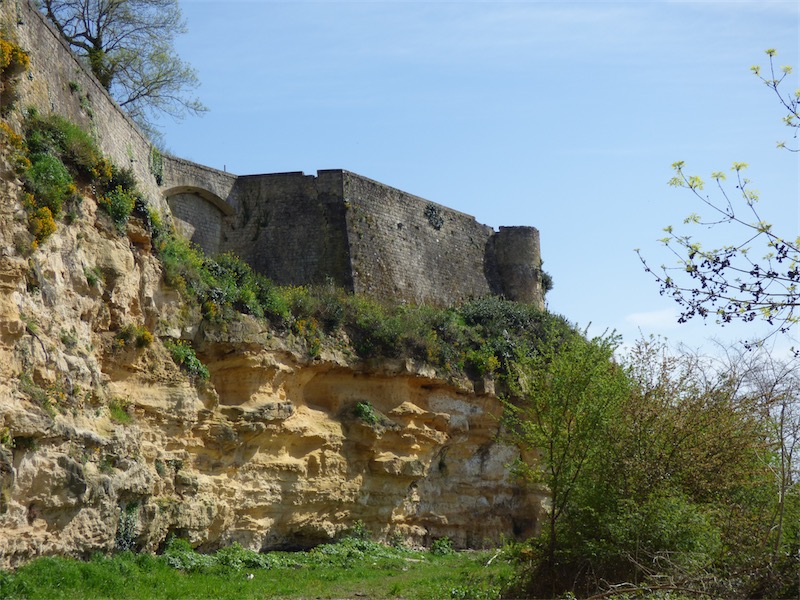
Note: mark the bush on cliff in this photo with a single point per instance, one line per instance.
(50, 183)
(13, 61)
(56, 136)
(184, 356)
(480, 337)
(56, 155)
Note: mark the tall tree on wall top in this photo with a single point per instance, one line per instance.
(128, 44)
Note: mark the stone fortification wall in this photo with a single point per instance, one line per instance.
(198, 220)
(296, 229)
(407, 248)
(291, 227)
(58, 83)
(179, 174)
(373, 239)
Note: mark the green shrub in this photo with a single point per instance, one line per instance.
(41, 224)
(222, 286)
(122, 177)
(547, 282)
(157, 165)
(351, 551)
(184, 356)
(182, 262)
(308, 330)
(25, 442)
(482, 361)
(236, 558)
(371, 330)
(13, 59)
(152, 220)
(50, 182)
(118, 411)
(134, 335)
(180, 555)
(227, 284)
(507, 329)
(442, 547)
(125, 539)
(363, 410)
(119, 203)
(56, 136)
(18, 148)
(327, 305)
(93, 276)
(37, 393)
(274, 303)
(54, 153)
(397, 540)
(497, 317)
(359, 531)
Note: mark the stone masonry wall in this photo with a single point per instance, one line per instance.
(407, 248)
(371, 238)
(291, 227)
(214, 184)
(518, 261)
(200, 198)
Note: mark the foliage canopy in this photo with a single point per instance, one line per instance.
(661, 469)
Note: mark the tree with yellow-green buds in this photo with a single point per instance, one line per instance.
(736, 282)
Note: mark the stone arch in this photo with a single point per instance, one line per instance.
(198, 215)
(225, 208)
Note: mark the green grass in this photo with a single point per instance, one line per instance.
(117, 411)
(349, 569)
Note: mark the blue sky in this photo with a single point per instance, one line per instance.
(561, 115)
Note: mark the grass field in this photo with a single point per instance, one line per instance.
(351, 568)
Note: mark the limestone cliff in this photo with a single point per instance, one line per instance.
(105, 441)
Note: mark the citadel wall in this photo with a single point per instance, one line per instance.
(291, 227)
(336, 226)
(370, 238)
(199, 198)
(407, 248)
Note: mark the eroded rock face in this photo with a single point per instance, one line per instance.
(101, 441)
